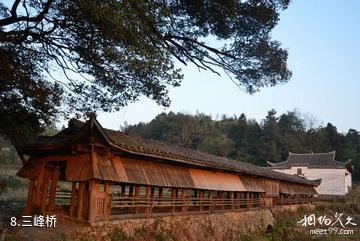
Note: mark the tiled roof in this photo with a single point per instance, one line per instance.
(315, 160)
(159, 150)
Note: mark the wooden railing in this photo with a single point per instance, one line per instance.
(62, 197)
(123, 205)
(292, 201)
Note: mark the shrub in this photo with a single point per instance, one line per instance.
(117, 234)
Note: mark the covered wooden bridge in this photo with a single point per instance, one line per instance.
(92, 173)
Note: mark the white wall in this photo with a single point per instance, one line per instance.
(334, 181)
(348, 181)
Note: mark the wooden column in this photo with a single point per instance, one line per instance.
(54, 180)
(30, 198)
(136, 201)
(44, 191)
(173, 198)
(94, 186)
(131, 200)
(160, 194)
(222, 197)
(80, 199)
(148, 199)
(251, 200)
(183, 200)
(236, 197)
(201, 197)
(72, 199)
(122, 194)
(107, 204)
(38, 184)
(262, 200)
(196, 201)
(247, 200)
(211, 206)
(152, 192)
(232, 200)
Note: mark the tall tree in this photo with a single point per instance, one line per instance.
(110, 52)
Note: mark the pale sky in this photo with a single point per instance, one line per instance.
(322, 39)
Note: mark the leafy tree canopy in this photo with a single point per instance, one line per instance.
(247, 140)
(125, 49)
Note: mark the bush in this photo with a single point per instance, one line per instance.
(141, 231)
(117, 234)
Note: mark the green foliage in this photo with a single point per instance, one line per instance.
(110, 54)
(117, 234)
(162, 235)
(16, 183)
(247, 140)
(8, 154)
(62, 237)
(141, 231)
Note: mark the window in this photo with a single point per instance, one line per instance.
(299, 171)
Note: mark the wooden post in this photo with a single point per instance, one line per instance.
(136, 200)
(183, 200)
(196, 202)
(80, 199)
(201, 199)
(160, 195)
(54, 180)
(152, 192)
(232, 200)
(44, 191)
(94, 186)
(262, 201)
(222, 197)
(38, 185)
(148, 200)
(72, 199)
(251, 199)
(122, 194)
(30, 198)
(247, 200)
(173, 198)
(211, 206)
(107, 203)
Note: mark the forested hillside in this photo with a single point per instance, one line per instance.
(248, 140)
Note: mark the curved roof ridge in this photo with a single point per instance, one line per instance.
(314, 153)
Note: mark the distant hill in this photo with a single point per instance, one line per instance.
(247, 140)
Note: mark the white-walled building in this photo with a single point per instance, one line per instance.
(335, 175)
